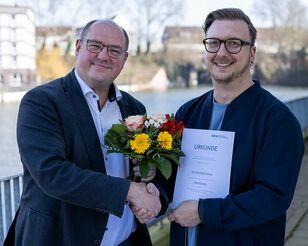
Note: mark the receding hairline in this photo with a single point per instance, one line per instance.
(106, 22)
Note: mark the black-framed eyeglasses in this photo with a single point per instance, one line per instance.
(232, 45)
(96, 47)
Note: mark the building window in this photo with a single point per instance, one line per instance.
(16, 82)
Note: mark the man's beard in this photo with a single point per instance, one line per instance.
(231, 77)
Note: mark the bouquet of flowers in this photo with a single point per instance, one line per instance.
(154, 140)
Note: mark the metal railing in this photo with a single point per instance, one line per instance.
(299, 108)
(10, 191)
(11, 187)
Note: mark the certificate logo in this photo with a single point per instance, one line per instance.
(219, 136)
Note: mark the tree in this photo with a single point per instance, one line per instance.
(54, 13)
(51, 64)
(103, 8)
(93, 9)
(46, 12)
(151, 16)
(289, 23)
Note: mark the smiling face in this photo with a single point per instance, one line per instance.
(99, 70)
(223, 66)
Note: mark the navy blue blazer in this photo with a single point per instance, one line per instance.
(67, 197)
(267, 154)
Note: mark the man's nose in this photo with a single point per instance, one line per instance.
(103, 54)
(222, 48)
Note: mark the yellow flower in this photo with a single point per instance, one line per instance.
(141, 143)
(165, 140)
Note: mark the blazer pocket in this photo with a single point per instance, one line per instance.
(40, 229)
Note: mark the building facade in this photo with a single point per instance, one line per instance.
(17, 47)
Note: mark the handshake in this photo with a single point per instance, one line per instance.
(145, 203)
(144, 200)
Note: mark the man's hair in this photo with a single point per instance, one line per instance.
(230, 14)
(84, 31)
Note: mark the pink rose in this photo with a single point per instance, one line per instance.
(159, 118)
(134, 123)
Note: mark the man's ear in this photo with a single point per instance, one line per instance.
(253, 53)
(126, 56)
(77, 47)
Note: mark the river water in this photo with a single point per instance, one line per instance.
(165, 102)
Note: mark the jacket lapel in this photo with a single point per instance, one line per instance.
(129, 107)
(84, 120)
(207, 111)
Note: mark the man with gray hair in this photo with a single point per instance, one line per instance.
(74, 193)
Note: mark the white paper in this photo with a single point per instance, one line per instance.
(205, 170)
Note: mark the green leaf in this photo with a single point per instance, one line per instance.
(116, 140)
(119, 128)
(127, 145)
(179, 152)
(164, 165)
(144, 167)
(172, 157)
(171, 117)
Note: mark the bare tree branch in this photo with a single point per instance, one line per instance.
(289, 25)
(151, 16)
(104, 8)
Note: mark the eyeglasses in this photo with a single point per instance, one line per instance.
(232, 45)
(96, 47)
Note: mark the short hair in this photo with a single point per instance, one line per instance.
(230, 14)
(84, 31)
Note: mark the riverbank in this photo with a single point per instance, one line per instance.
(284, 93)
(13, 96)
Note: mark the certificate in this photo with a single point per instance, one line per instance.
(205, 170)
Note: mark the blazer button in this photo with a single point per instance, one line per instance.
(97, 241)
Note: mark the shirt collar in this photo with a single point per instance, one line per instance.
(219, 105)
(113, 94)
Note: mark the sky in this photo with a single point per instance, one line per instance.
(195, 11)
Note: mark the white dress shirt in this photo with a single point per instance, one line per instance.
(118, 229)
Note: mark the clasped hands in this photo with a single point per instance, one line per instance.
(144, 201)
(186, 214)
